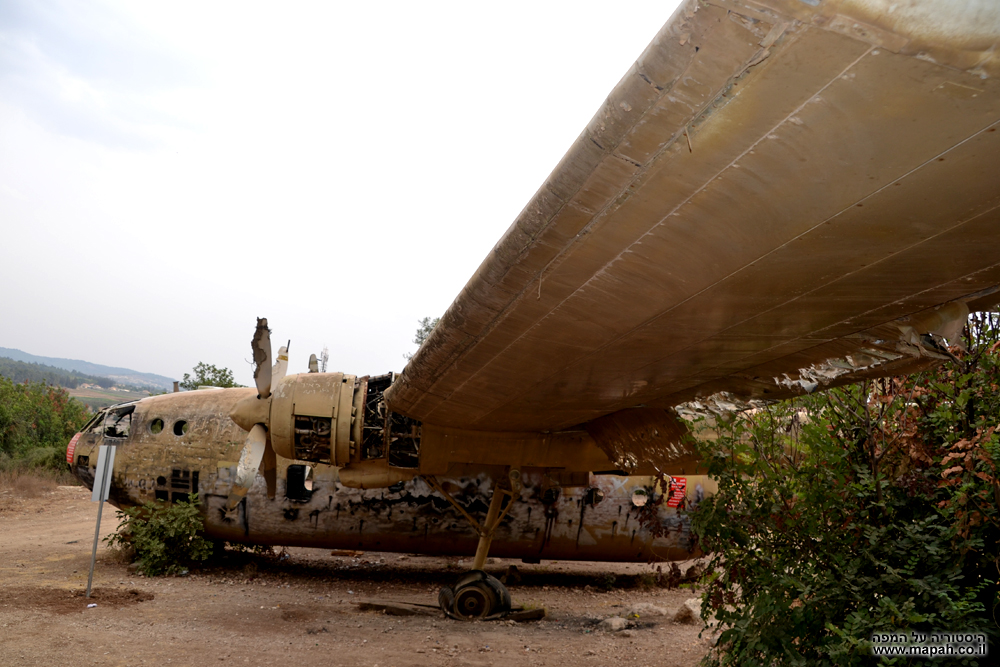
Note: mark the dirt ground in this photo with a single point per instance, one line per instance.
(302, 609)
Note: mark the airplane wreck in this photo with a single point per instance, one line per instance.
(779, 196)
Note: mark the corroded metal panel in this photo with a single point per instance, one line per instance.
(545, 522)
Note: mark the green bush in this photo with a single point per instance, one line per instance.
(870, 508)
(48, 458)
(33, 416)
(165, 538)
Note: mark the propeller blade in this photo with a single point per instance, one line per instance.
(246, 470)
(280, 367)
(269, 470)
(261, 346)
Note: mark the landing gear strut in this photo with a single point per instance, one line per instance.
(477, 595)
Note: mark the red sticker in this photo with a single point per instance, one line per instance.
(71, 449)
(678, 489)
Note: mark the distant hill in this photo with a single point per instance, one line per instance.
(23, 371)
(119, 375)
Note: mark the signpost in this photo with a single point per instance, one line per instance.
(102, 486)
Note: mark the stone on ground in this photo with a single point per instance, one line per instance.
(613, 624)
(689, 613)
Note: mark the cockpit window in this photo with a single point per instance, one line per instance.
(94, 425)
(118, 422)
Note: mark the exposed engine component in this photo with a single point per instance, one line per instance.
(332, 418)
(404, 441)
(312, 438)
(373, 445)
(341, 420)
(312, 418)
(388, 432)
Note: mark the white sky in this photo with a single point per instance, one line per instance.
(171, 170)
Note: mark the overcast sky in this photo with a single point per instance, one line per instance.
(171, 170)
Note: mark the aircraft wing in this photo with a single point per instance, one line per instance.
(778, 195)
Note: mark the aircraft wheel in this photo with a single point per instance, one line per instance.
(476, 596)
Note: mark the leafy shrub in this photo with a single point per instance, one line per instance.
(165, 537)
(49, 458)
(35, 415)
(870, 508)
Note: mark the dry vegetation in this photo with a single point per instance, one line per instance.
(21, 483)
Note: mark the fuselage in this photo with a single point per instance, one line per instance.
(172, 446)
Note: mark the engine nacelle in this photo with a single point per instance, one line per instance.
(317, 417)
(340, 420)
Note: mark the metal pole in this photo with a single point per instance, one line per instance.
(100, 511)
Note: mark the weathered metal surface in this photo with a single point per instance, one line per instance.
(655, 432)
(774, 189)
(327, 396)
(161, 458)
(414, 519)
(443, 448)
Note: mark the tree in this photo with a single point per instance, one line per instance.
(427, 325)
(36, 422)
(20, 372)
(207, 375)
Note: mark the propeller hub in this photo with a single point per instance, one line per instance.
(251, 410)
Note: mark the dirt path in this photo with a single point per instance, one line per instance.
(301, 610)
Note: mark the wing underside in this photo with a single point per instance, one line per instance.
(776, 196)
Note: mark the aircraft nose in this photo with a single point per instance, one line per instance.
(71, 448)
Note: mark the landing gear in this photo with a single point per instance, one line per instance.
(477, 595)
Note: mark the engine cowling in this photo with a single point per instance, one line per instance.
(317, 417)
(322, 418)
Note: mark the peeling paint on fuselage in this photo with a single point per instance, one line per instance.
(545, 522)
